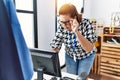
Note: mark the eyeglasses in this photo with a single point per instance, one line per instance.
(64, 23)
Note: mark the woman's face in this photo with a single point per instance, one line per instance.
(65, 21)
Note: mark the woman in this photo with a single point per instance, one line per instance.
(78, 36)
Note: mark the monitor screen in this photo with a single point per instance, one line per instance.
(47, 60)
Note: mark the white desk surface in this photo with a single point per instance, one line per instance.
(48, 77)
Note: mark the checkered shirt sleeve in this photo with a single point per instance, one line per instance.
(89, 32)
(57, 40)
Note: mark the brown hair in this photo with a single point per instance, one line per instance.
(70, 10)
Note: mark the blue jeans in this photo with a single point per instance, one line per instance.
(80, 67)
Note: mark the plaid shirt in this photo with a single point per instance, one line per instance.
(67, 37)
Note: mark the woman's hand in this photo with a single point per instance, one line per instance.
(74, 25)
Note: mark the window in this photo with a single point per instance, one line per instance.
(26, 5)
(27, 16)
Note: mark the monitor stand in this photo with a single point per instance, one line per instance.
(40, 73)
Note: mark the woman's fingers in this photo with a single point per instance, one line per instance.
(74, 24)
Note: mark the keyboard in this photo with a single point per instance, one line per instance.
(67, 78)
(63, 78)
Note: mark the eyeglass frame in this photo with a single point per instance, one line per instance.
(64, 23)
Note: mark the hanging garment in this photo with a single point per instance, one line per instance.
(15, 59)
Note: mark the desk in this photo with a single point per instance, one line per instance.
(91, 76)
(101, 77)
(48, 77)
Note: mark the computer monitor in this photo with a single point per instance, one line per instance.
(45, 62)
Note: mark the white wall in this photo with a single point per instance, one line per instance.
(46, 26)
(101, 9)
(87, 8)
(46, 23)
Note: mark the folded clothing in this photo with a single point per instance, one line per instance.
(114, 40)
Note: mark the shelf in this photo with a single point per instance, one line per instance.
(100, 35)
(111, 45)
(110, 52)
(112, 35)
(109, 27)
(115, 31)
